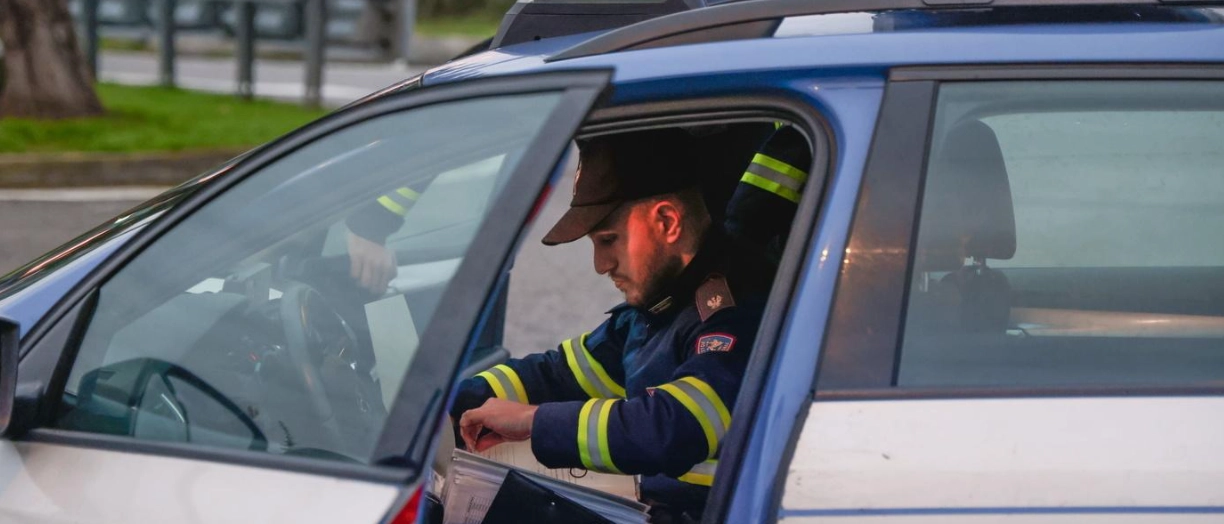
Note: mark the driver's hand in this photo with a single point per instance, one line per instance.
(370, 264)
(505, 421)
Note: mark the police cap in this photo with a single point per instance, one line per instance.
(616, 169)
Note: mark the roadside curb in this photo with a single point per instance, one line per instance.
(107, 169)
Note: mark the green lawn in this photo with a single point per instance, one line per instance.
(158, 119)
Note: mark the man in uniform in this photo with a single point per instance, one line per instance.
(649, 391)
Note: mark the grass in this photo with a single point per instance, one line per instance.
(157, 119)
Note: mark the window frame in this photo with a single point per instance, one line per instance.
(48, 352)
(871, 298)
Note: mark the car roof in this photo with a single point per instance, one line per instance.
(872, 53)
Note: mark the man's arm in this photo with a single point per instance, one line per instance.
(587, 366)
(676, 426)
(370, 263)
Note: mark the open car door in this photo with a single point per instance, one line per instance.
(229, 365)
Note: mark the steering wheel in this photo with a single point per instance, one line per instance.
(308, 320)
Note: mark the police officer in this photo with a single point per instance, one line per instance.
(763, 206)
(650, 390)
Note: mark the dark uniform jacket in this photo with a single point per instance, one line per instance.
(650, 390)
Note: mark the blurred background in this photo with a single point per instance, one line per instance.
(102, 106)
(91, 123)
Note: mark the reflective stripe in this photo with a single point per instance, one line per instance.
(798, 175)
(701, 474)
(392, 206)
(593, 435)
(399, 201)
(772, 187)
(590, 375)
(701, 400)
(775, 176)
(506, 383)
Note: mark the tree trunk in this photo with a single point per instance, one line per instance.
(45, 75)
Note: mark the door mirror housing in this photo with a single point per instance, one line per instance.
(10, 348)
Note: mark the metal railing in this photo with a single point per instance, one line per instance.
(315, 25)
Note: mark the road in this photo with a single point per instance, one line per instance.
(278, 79)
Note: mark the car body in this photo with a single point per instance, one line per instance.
(884, 385)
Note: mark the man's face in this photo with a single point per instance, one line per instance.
(632, 249)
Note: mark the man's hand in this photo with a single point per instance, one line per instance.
(506, 421)
(370, 264)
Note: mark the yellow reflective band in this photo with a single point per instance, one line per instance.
(723, 413)
(781, 167)
(515, 381)
(698, 479)
(771, 186)
(408, 193)
(392, 205)
(701, 400)
(576, 369)
(605, 455)
(505, 383)
(600, 373)
(584, 417)
(698, 413)
(591, 376)
(701, 474)
(498, 389)
(778, 125)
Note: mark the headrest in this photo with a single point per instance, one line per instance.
(967, 200)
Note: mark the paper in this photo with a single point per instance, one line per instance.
(519, 455)
(395, 341)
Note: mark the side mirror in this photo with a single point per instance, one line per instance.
(10, 347)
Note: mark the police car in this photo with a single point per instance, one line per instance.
(1001, 297)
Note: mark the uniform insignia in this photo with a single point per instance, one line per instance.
(713, 295)
(719, 342)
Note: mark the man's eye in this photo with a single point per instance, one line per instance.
(607, 240)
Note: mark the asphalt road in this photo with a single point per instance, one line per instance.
(33, 222)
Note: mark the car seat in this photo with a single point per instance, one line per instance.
(967, 213)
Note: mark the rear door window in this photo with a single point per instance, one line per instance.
(1070, 233)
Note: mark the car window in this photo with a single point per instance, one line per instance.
(243, 326)
(1070, 234)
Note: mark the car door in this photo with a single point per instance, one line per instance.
(224, 367)
(1028, 320)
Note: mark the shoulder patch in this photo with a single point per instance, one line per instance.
(713, 295)
(715, 342)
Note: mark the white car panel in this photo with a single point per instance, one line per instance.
(51, 483)
(1028, 459)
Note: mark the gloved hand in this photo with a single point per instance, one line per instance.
(370, 264)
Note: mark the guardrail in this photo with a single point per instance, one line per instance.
(315, 23)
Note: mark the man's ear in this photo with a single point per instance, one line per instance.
(667, 217)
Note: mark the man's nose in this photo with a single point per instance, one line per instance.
(603, 262)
